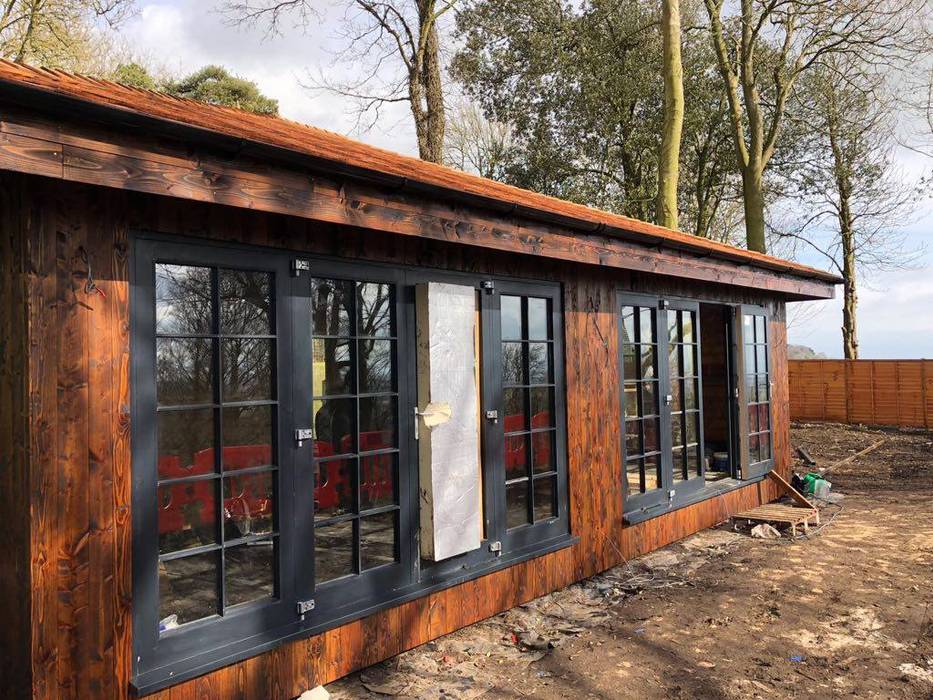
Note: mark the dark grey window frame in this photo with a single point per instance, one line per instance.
(747, 469)
(204, 645)
(645, 506)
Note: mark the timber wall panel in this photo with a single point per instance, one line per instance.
(870, 392)
(79, 469)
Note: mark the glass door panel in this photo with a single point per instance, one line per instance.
(683, 342)
(753, 358)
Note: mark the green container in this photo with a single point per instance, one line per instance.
(809, 481)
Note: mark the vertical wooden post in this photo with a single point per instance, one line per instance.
(923, 392)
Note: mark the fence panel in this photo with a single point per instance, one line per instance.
(873, 392)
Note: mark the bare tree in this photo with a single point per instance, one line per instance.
(666, 212)
(846, 181)
(476, 144)
(762, 54)
(377, 33)
(58, 33)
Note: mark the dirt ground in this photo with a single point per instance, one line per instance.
(844, 612)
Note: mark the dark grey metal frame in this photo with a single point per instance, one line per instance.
(200, 646)
(753, 469)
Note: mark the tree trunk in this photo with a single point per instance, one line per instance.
(849, 299)
(430, 121)
(754, 200)
(669, 162)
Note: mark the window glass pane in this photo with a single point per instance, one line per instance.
(513, 370)
(630, 359)
(632, 438)
(333, 368)
(187, 515)
(377, 481)
(188, 589)
(676, 395)
(760, 335)
(646, 323)
(542, 412)
(648, 361)
(764, 417)
(377, 423)
(245, 302)
(330, 307)
(693, 428)
(513, 410)
(678, 463)
(377, 361)
(694, 464)
(628, 325)
(538, 325)
(334, 421)
(248, 436)
(764, 445)
(749, 359)
(761, 361)
(250, 572)
(516, 456)
(539, 365)
(688, 360)
(673, 326)
(543, 451)
(333, 551)
(184, 371)
(516, 504)
(247, 369)
(378, 540)
(186, 442)
(686, 326)
(511, 310)
(184, 299)
(763, 387)
(249, 503)
(753, 418)
(334, 488)
(649, 398)
(631, 399)
(376, 306)
(691, 389)
(674, 362)
(652, 431)
(652, 472)
(677, 434)
(750, 384)
(633, 474)
(753, 445)
(545, 504)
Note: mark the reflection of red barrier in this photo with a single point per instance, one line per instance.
(190, 505)
(515, 452)
(377, 482)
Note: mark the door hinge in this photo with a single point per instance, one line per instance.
(299, 266)
(488, 285)
(495, 548)
(304, 607)
(670, 495)
(302, 434)
(493, 416)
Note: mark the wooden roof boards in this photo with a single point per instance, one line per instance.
(533, 221)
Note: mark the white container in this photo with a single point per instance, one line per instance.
(821, 489)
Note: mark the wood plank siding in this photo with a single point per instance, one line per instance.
(65, 462)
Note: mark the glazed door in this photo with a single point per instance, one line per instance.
(661, 401)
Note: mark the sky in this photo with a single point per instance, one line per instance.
(895, 310)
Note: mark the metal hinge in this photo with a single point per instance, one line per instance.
(493, 416)
(299, 266)
(488, 285)
(670, 495)
(302, 434)
(304, 607)
(495, 548)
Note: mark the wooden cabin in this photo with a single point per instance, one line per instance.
(277, 405)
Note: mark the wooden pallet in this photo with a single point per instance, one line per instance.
(788, 515)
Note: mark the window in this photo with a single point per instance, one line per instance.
(661, 406)
(756, 456)
(276, 471)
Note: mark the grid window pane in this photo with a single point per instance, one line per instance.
(334, 488)
(184, 297)
(376, 309)
(334, 426)
(249, 570)
(378, 540)
(539, 363)
(516, 456)
(516, 504)
(245, 302)
(330, 307)
(511, 312)
(377, 423)
(188, 589)
(247, 369)
(757, 387)
(332, 373)
(513, 363)
(333, 551)
(187, 515)
(545, 498)
(248, 436)
(376, 360)
(378, 477)
(185, 443)
(249, 505)
(184, 371)
(633, 468)
(543, 451)
(538, 319)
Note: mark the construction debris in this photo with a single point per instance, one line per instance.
(765, 531)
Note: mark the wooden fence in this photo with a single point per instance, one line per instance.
(873, 392)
